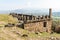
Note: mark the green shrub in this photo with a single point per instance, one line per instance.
(55, 25)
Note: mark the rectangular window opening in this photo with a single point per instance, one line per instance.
(45, 24)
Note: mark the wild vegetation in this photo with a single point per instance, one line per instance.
(6, 18)
(56, 25)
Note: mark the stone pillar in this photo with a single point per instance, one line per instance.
(50, 13)
(39, 17)
(27, 17)
(33, 18)
(46, 16)
(43, 17)
(22, 17)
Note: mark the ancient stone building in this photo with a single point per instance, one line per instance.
(36, 24)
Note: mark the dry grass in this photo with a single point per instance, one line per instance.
(15, 33)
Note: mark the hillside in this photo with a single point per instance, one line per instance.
(16, 33)
(6, 18)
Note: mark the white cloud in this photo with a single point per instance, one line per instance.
(28, 4)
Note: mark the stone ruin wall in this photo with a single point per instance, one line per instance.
(39, 26)
(49, 26)
(34, 26)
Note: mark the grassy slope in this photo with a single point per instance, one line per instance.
(5, 18)
(15, 33)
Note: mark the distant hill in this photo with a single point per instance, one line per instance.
(56, 14)
(33, 12)
(36, 12)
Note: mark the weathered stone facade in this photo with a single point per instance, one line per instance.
(39, 26)
(36, 24)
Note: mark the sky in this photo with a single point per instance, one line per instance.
(21, 4)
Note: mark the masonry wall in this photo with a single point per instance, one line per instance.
(36, 23)
(39, 26)
(49, 26)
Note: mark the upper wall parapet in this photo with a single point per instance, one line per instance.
(25, 17)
